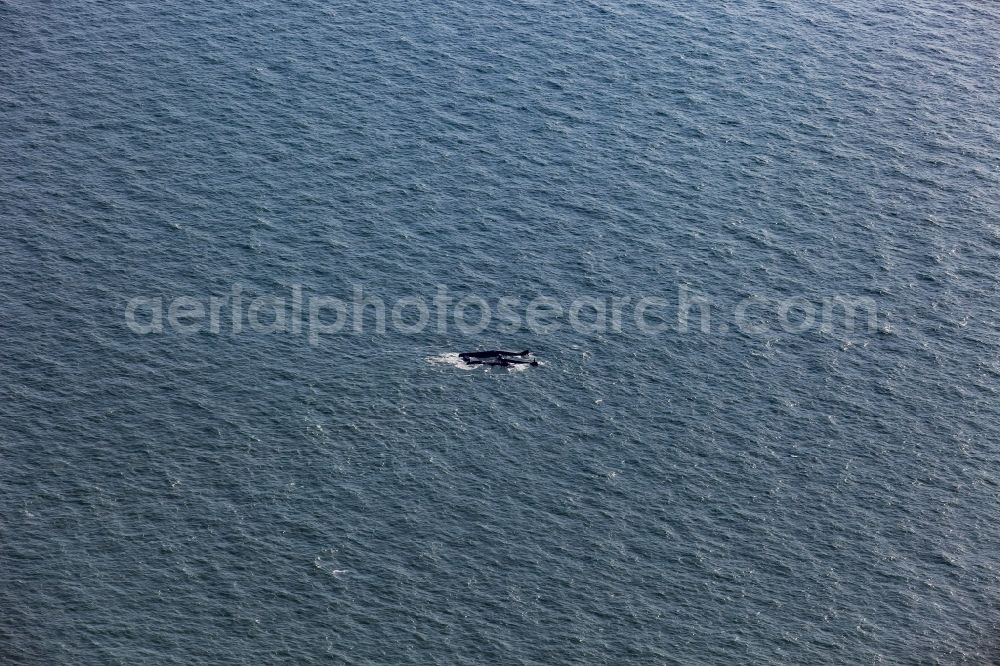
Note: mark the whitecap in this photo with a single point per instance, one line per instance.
(451, 359)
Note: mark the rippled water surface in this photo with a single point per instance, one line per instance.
(828, 497)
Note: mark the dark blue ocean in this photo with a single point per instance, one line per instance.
(822, 495)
